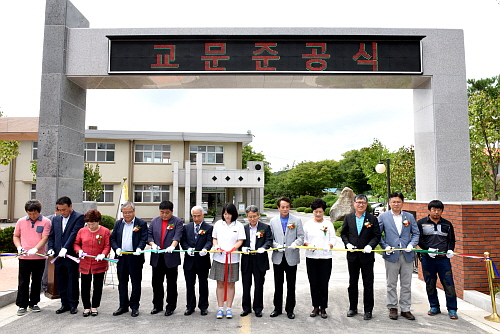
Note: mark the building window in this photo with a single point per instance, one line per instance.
(33, 191)
(210, 154)
(34, 151)
(152, 153)
(99, 152)
(105, 197)
(151, 193)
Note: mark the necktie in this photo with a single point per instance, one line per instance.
(196, 231)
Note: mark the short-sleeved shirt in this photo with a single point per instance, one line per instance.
(31, 233)
(227, 236)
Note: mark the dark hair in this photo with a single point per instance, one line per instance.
(167, 205)
(285, 199)
(435, 204)
(318, 203)
(231, 209)
(64, 200)
(92, 216)
(33, 205)
(400, 195)
(362, 197)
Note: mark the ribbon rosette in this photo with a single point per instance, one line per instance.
(406, 222)
(368, 224)
(137, 228)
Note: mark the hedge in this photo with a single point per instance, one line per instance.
(308, 210)
(301, 209)
(108, 222)
(6, 243)
(327, 211)
(303, 201)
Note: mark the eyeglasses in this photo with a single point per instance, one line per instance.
(360, 203)
(127, 213)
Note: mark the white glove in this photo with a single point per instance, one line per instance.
(137, 251)
(245, 249)
(155, 247)
(62, 252)
(32, 251)
(80, 253)
(409, 248)
(203, 252)
(170, 249)
(217, 249)
(367, 249)
(20, 250)
(449, 254)
(261, 250)
(326, 247)
(118, 252)
(281, 248)
(99, 257)
(190, 251)
(293, 245)
(388, 250)
(50, 252)
(350, 247)
(432, 255)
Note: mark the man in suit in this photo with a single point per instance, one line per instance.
(258, 238)
(400, 231)
(165, 232)
(196, 239)
(130, 234)
(65, 227)
(287, 233)
(360, 231)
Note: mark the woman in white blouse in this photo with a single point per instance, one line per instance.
(319, 234)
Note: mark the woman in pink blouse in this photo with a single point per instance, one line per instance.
(92, 240)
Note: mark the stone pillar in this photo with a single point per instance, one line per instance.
(187, 191)
(199, 180)
(61, 132)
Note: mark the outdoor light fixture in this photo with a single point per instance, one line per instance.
(381, 168)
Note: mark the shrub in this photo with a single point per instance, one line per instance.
(308, 210)
(327, 211)
(108, 222)
(300, 209)
(338, 225)
(274, 206)
(303, 201)
(6, 243)
(268, 206)
(268, 198)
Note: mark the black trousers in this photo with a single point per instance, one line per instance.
(159, 273)
(279, 278)
(190, 277)
(129, 266)
(86, 283)
(67, 281)
(318, 272)
(367, 274)
(29, 270)
(259, 279)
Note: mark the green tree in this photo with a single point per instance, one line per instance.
(276, 185)
(369, 157)
(248, 154)
(9, 149)
(92, 182)
(403, 172)
(353, 175)
(310, 178)
(484, 132)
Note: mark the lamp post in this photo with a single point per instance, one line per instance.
(381, 168)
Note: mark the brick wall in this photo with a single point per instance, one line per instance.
(477, 230)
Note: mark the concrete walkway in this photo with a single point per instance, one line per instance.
(471, 317)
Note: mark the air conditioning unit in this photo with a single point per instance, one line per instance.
(255, 165)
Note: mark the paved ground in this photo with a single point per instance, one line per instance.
(471, 318)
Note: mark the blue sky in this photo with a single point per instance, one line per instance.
(289, 125)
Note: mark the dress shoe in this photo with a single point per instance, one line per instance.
(274, 314)
(188, 311)
(323, 313)
(86, 314)
(169, 312)
(156, 310)
(258, 314)
(407, 315)
(63, 309)
(73, 310)
(244, 313)
(393, 313)
(367, 316)
(290, 315)
(135, 312)
(121, 310)
(352, 313)
(314, 312)
(204, 311)
(94, 314)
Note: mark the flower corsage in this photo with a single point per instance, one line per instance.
(201, 232)
(324, 229)
(368, 224)
(170, 227)
(137, 228)
(259, 234)
(406, 222)
(290, 226)
(99, 238)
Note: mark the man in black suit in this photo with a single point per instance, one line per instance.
(130, 234)
(360, 231)
(196, 239)
(258, 238)
(65, 227)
